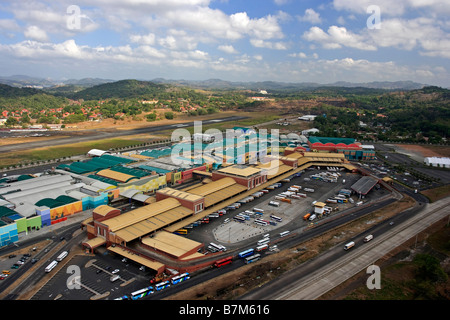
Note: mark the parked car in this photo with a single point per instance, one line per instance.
(115, 271)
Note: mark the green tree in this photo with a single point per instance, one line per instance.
(151, 116)
(169, 115)
(429, 268)
(11, 121)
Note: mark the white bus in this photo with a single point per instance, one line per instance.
(276, 218)
(62, 256)
(263, 241)
(284, 233)
(349, 245)
(262, 247)
(252, 258)
(51, 266)
(218, 247)
(260, 222)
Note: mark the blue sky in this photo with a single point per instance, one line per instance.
(251, 40)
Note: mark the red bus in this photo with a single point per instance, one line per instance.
(223, 262)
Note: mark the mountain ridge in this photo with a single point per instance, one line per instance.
(213, 83)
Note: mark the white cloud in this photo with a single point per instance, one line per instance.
(394, 8)
(409, 34)
(148, 39)
(337, 37)
(9, 24)
(258, 43)
(301, 55)
(35, 33)
(310, 16)
(341, 20)
(228, 49)
(281, 2)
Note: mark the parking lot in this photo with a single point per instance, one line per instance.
(232, 234)
(95, 281)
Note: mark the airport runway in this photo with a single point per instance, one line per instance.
(88, 135)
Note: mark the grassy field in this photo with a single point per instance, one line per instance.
(437, 193)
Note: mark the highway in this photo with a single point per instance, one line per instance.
(317, 276)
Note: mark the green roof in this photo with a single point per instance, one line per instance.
(332, 140)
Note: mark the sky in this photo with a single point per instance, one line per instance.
(234, 40)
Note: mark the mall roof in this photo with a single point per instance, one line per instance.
(332, 140)
(115, 175)
(219, 190)
(171, 243)
(240, 170)
(179, 194)
(140, 214)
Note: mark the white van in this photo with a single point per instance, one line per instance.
(349, 245)
(368, 238)
(114, 278)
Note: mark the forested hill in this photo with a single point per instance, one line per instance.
(7, 91)
(124, 89)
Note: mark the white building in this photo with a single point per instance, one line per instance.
(307, 117)
(97, 153)
(437, 161)
(309, 131)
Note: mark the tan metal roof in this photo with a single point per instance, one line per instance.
(223, 194)
(179, 194)
(140, 214)
(153, 223)
(320, 204)
(154, 265)
(95, 242)
(171, 243)
(103, 210)
(274, 168)
(119, 176)
(212, 187)
(239, 170)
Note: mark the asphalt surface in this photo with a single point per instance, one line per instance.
(89, 135)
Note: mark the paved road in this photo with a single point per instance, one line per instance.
(89, 135)
(316, 277)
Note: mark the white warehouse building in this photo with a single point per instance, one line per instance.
(437, 161)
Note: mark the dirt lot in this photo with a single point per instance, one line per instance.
(418, 152)
(234, 284)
